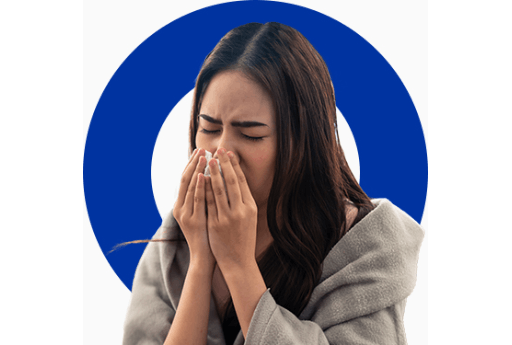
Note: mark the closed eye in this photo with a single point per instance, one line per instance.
(252, 138)
(205, 131)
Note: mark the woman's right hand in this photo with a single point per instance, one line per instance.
(190, 211)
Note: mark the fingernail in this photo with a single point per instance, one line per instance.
(222, 151)
(231, 154)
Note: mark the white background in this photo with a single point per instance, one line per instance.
(114, 28)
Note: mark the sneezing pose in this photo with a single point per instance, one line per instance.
(283, 247)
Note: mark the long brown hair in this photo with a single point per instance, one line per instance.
(312, 181)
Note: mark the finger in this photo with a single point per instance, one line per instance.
(219, 191)
(187, 175)
(191, 190)
(242, 181)
(230, 178)
(210, 200)
(199, 195)
(184, 177)
(191, 157)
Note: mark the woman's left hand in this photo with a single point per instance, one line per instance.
(231, 226)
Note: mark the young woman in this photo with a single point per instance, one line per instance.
(284, 247)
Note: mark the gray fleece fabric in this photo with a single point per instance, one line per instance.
(360, 298)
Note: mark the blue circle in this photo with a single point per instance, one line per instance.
(160, 71)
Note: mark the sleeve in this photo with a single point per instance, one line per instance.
(151, 312)
(272, 324)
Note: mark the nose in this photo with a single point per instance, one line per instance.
(225, 142)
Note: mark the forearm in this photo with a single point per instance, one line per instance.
(246, 286)
(190, 324)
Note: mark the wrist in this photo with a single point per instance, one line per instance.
(201, 266)
(235, 269)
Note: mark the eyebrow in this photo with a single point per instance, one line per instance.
(243, 124)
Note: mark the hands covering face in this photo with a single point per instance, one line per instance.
(228, 234)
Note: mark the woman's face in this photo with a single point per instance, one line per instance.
(238, 115)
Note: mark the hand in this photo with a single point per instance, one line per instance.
(190, 212)
(231, 226)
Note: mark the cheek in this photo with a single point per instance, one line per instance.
(203, 142)
(198, 140)
(259, 168)
(264, 157)
(261, 159)
(259, 163)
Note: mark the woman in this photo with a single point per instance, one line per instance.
(289, 250)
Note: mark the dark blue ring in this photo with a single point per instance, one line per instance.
(151, 81)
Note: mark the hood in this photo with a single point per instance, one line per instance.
(371, 268)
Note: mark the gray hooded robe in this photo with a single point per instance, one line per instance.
(360, 298)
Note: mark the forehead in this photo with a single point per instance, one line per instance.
(231, 96)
